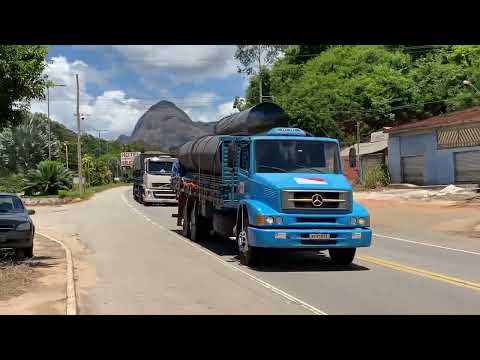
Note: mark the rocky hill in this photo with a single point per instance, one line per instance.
(165, 125)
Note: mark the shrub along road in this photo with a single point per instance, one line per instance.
(423, 261)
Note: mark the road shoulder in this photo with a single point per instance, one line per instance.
(42, 288)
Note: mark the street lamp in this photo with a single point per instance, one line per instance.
(66, 152)
(51, 85)
(469, 83)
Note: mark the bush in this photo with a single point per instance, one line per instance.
(75, 193)
(47, 179)
(374, 177)
(12, 184)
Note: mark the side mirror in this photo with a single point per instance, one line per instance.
(31, 212)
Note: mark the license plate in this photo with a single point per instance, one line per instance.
(319, 236)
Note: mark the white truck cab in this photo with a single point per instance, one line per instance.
(152, 179)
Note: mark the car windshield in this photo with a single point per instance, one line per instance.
(160, 167)
(272, 156)
(10, 204)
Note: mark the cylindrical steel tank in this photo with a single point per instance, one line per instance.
(203, 153)
(258, 118)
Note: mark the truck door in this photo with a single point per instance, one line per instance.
(243, 167)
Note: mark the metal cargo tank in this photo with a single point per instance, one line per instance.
(203, 153)
(256, 119)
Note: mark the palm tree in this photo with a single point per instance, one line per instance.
(47, 179)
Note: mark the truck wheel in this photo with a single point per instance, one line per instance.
(196, 226)
(248, 255)
(341, 256)
(186, 222)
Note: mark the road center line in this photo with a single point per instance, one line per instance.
(428, 274)
(427, 244)
(219, 259)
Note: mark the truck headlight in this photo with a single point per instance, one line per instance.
(269, 220)
(24, 226)
(363, 221)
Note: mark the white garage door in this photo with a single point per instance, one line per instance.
(467, 166)
(412, 170)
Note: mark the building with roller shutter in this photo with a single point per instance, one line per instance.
(441, 150)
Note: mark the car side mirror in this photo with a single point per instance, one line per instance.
(31, 212)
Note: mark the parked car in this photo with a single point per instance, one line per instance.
(16, 227)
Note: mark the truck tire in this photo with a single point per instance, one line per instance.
(341, 256)
(248, 255)
(197, 226)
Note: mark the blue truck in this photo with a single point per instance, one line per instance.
(280, 188)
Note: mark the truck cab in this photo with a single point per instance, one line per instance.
(292, 194)
(152, 180)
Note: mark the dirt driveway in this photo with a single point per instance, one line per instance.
(36, 286)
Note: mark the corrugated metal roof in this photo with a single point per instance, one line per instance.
(471, 115)
(366, 148)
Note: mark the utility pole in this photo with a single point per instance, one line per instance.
(48, 115)
(260, 72)
(66, 153)
(358, 149)
(79, 150)
(100, 140)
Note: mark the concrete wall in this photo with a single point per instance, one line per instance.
(439, 167)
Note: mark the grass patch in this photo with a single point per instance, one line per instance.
(372, 179)
(14, 277)
(88, 192)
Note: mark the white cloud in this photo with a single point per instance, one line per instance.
(183, 62)
(211, 113)
(112, 110)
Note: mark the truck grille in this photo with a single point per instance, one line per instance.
(315, 199)
(161, 185)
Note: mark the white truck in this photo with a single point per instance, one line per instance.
(151, 173)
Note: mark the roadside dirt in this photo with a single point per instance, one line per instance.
(459, 217)
(36, 286)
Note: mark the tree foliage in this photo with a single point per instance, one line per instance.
(333, 87)
(96, 171)
(23, 147)
(21, 80)
(47, 179)
(249, 56)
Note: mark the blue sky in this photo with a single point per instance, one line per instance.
(119, 83)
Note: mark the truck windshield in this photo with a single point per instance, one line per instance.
(272, 156)
(159, 167)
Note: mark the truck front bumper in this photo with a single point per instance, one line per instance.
(300, 238)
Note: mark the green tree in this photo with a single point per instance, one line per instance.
(21, 80)
(47, 179)
(23, 147)
(337, 88)
(254, 60)
(438, 79)
(96, 171)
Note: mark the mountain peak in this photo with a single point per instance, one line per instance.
(166, 125)
(163, 104)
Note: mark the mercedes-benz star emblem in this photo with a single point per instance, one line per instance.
(317, 200)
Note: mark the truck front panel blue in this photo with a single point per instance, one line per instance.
(300, 238)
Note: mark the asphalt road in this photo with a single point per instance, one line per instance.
(143, 266)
